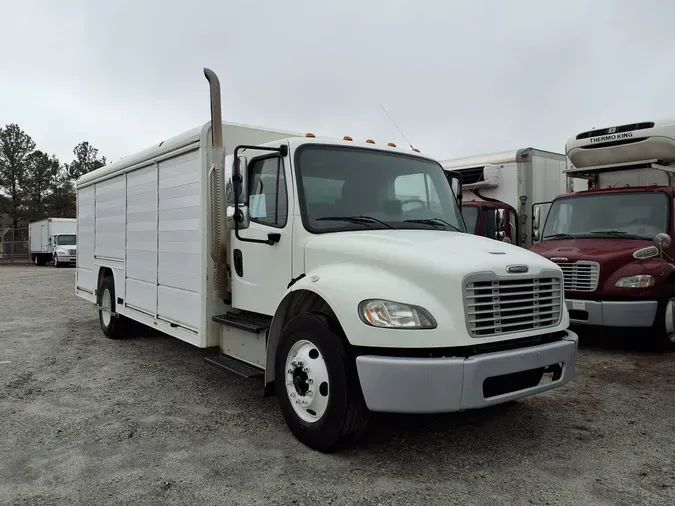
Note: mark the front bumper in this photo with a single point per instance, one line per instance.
(612, 313)
(67, 259)
(438, 385)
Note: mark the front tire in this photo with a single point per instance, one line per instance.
(56, 261)
(113, 327)
(317, 385)
(663, 331)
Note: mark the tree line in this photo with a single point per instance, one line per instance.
(35, 184)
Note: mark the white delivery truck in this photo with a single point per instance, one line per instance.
(295, 256)
(53, 240)
(509, 183)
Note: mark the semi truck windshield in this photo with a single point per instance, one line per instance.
(359, 189)
(632, 215)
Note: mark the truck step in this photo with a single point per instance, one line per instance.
(234, 366)
(251, 322)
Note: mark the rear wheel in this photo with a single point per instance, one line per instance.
(317, 386)
(112, 326)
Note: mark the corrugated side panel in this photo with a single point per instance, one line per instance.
(180, 240)
(86, 277)
(110, 218)
(141, 243)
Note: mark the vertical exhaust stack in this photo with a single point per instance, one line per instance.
(219, 235)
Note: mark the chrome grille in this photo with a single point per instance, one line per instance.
(581, 276)
(504, 306)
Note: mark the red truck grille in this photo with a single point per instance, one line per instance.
(581, 276)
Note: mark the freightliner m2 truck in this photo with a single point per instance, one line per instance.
(613, 240)
(306, 261)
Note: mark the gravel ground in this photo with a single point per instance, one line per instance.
(87, 420)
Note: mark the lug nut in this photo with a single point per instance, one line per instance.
(305, 369)
(289, 371)
(300, 363)
(309, 381)
(294, 363)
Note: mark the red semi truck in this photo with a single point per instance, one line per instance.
(613, 240)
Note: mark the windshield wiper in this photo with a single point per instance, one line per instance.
(434, 222)
(559, 236)
(361, 220)
(617, 233)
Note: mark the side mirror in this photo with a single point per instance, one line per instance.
(239, 216)
(536, 220)
(455, 180)
(240, 180)
(500, 220)
(535, 234)
(662, 241)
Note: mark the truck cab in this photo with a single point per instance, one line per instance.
(613, 241)
(64, 249)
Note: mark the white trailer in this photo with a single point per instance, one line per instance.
(295, 257)
(519, 178)
(53, 240)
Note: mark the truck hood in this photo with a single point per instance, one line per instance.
(441, 253)
(597, 249)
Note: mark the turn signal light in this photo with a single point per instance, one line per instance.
(347, 138)
(310, 134)
(416, 150)
(370, 141)
(391, 145)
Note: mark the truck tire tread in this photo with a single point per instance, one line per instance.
(353, 420)
(119, 326)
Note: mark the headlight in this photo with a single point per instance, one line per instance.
(61, 251)
(637, 281)
(388, 314)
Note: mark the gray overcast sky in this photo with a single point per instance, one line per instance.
(460, 78)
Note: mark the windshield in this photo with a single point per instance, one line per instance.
(633, 215)
(359, 189)
(66, 240)
(470, 215)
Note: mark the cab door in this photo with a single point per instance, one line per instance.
(261, 254)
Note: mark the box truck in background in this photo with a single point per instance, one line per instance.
(337, 270)
(53, 240)
(499, 190)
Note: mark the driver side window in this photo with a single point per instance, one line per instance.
(268, 203)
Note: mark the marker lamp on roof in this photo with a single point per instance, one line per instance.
(395, 315)
(637, 281)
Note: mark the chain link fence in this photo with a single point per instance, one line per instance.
(14, 246)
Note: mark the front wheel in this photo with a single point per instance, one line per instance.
(317, 385)
(56, 261)
(663, 332)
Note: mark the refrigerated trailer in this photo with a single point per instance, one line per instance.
(338, 271)
(509, 182)
(53, 240)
